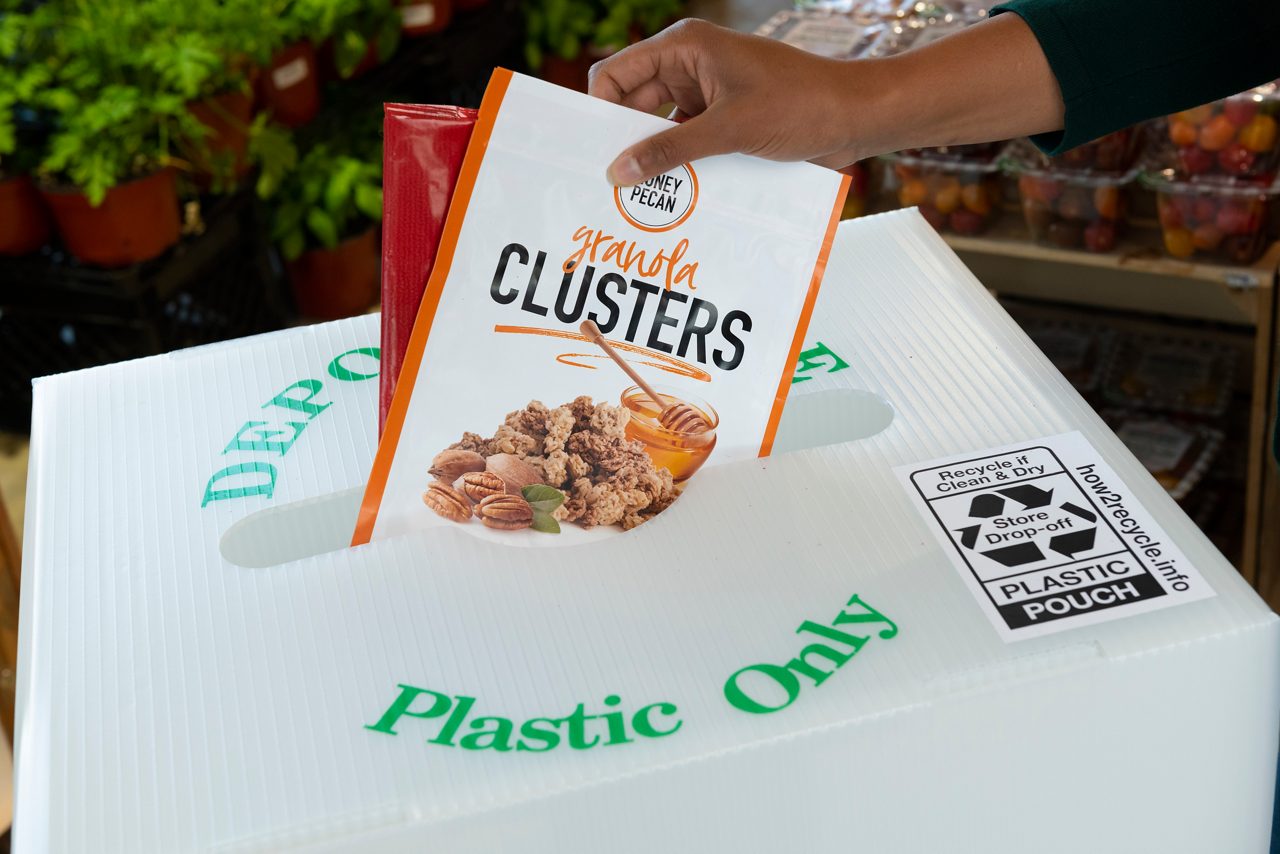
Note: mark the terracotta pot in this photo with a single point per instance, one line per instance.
(138, 220)
(338, 282)
(290, 86)
(224, 150)
(24, 222)
(423, 17)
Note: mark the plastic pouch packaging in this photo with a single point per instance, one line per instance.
(1223, 221)
(1236, 137)
(959, 196)
(824, 33)
(1178, 453)
(1081, 352)
(1069, 209)
(1179, 375)
(423, 147)
(515, 415)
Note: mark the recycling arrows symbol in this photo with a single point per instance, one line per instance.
(1028, 497)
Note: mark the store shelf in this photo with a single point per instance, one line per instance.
(1136, 277)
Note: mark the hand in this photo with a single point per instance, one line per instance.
(738, 92)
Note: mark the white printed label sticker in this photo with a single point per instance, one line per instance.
(418, 15)
(1048, 538)
(290, 74)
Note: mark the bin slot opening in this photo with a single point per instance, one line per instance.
(323, 524)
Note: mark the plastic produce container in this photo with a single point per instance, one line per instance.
(860, 188)
(959, 196)
(979, 151)
(1080, 351)
(1237, 136)
(1178, 453)
(1183, 375)
(1226, 221)
(1073, 210)
(1114, 153)
(824, 33)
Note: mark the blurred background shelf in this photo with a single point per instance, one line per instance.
(1136, 277)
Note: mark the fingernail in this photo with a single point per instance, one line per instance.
(625, 171)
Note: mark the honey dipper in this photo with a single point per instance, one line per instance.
(679, 417)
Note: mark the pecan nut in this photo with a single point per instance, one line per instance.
(505, 512)
(447, 502)
(451, 465)
(479, 485)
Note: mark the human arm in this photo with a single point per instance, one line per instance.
(1063, 71)
(749, 94)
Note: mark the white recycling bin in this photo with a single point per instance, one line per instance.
(951, 613)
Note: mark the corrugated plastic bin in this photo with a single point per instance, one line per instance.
(950, 613)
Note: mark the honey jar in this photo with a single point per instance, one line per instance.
(680, 453)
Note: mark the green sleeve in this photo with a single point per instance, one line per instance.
(1121, 61)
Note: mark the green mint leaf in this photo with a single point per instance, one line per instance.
(542, 497)
(545, 522)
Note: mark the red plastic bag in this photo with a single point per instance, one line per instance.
(423, 147)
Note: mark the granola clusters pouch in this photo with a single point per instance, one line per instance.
(581, 351)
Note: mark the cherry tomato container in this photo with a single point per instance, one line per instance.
(1212, 220)
(861, 185)
(958, 196)
(980, 151)
(1071, 209)
(1113, 154)
(1237, 136)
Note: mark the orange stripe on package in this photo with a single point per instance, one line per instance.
(583, 350)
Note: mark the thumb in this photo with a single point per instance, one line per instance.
(700, 136)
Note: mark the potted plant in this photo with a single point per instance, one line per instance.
(325, 217)
(214, 50)
(289, 86)
(182, 58)
(112, 188)
(566, 37)
(117, 109)
(24, 222)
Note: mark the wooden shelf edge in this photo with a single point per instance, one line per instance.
(1134, 257)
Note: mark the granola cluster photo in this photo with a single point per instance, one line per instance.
(580, 450)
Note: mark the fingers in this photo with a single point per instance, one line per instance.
(701, 136)
(626, 71)
(648, 96)
(663, 58)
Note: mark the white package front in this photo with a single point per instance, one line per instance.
(701, 281)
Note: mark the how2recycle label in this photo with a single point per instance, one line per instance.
(1048, 537)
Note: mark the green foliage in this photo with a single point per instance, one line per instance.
(272, 148)
(327, 198)
(359, 23)
(565, 27)
(113, 79)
